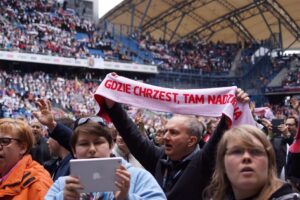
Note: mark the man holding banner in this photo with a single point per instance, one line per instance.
(181, 168)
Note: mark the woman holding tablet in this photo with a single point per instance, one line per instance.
(92, 139)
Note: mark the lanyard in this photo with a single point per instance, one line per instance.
(165, 177)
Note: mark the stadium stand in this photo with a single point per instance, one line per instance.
(183, 60)
(190, 44)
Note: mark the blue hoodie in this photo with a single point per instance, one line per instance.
(142, 186)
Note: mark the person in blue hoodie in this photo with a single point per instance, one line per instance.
(91, 138)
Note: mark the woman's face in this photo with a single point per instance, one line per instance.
(11, 151)
(246, 168)
(91, 146)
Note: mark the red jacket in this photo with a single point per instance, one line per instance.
(28, 180)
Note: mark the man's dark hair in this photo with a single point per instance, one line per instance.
(66, 121)
(295, 119)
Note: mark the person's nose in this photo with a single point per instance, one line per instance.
(246, 156)
(92, 148)
(166, 136)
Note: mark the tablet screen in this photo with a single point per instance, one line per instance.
(96, 174)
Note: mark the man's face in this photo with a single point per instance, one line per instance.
(294, 103)
(291, 125)
(176, 138)
(212, 127)
(37, 130)
(121, 144)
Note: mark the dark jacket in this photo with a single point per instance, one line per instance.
(62, 134)
(280, 147)
(293, 169)
(58, 167)
(195, 171)
(40, 152)
(285, 193)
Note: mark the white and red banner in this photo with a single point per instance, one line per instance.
(211, 102)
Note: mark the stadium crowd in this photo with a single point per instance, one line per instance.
(21, 95)
(206, 57)
(19, 90)
(47, 119)
(45, 27)
(292, 77)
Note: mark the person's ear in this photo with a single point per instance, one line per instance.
(192, 141)
(23, 149)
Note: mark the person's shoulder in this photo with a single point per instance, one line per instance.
(43, 140)
(285, 192)
(291, 196)
(137, 171)
(35, 168)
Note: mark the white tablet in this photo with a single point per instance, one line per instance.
(96, 174)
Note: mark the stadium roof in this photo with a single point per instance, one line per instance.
(212, 20)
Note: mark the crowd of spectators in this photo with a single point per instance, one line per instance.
(71, 95)
(44, 27)
(206, 57)
(292, 77)
(19, 90)
(48, 28)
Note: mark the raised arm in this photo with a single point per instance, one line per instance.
(210, 148)
(59, 132)
(141, 147)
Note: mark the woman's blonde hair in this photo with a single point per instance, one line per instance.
(21, 129)
(220, 186)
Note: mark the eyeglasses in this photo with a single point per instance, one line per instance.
(5, 141)
(290, 124)
(239, 152)
(84, 120)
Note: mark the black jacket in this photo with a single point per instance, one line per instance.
(40, 152)
(195, 171)
(285, 193)
(58, 167)
(62, 134)
(293, 169)
(280, 147)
